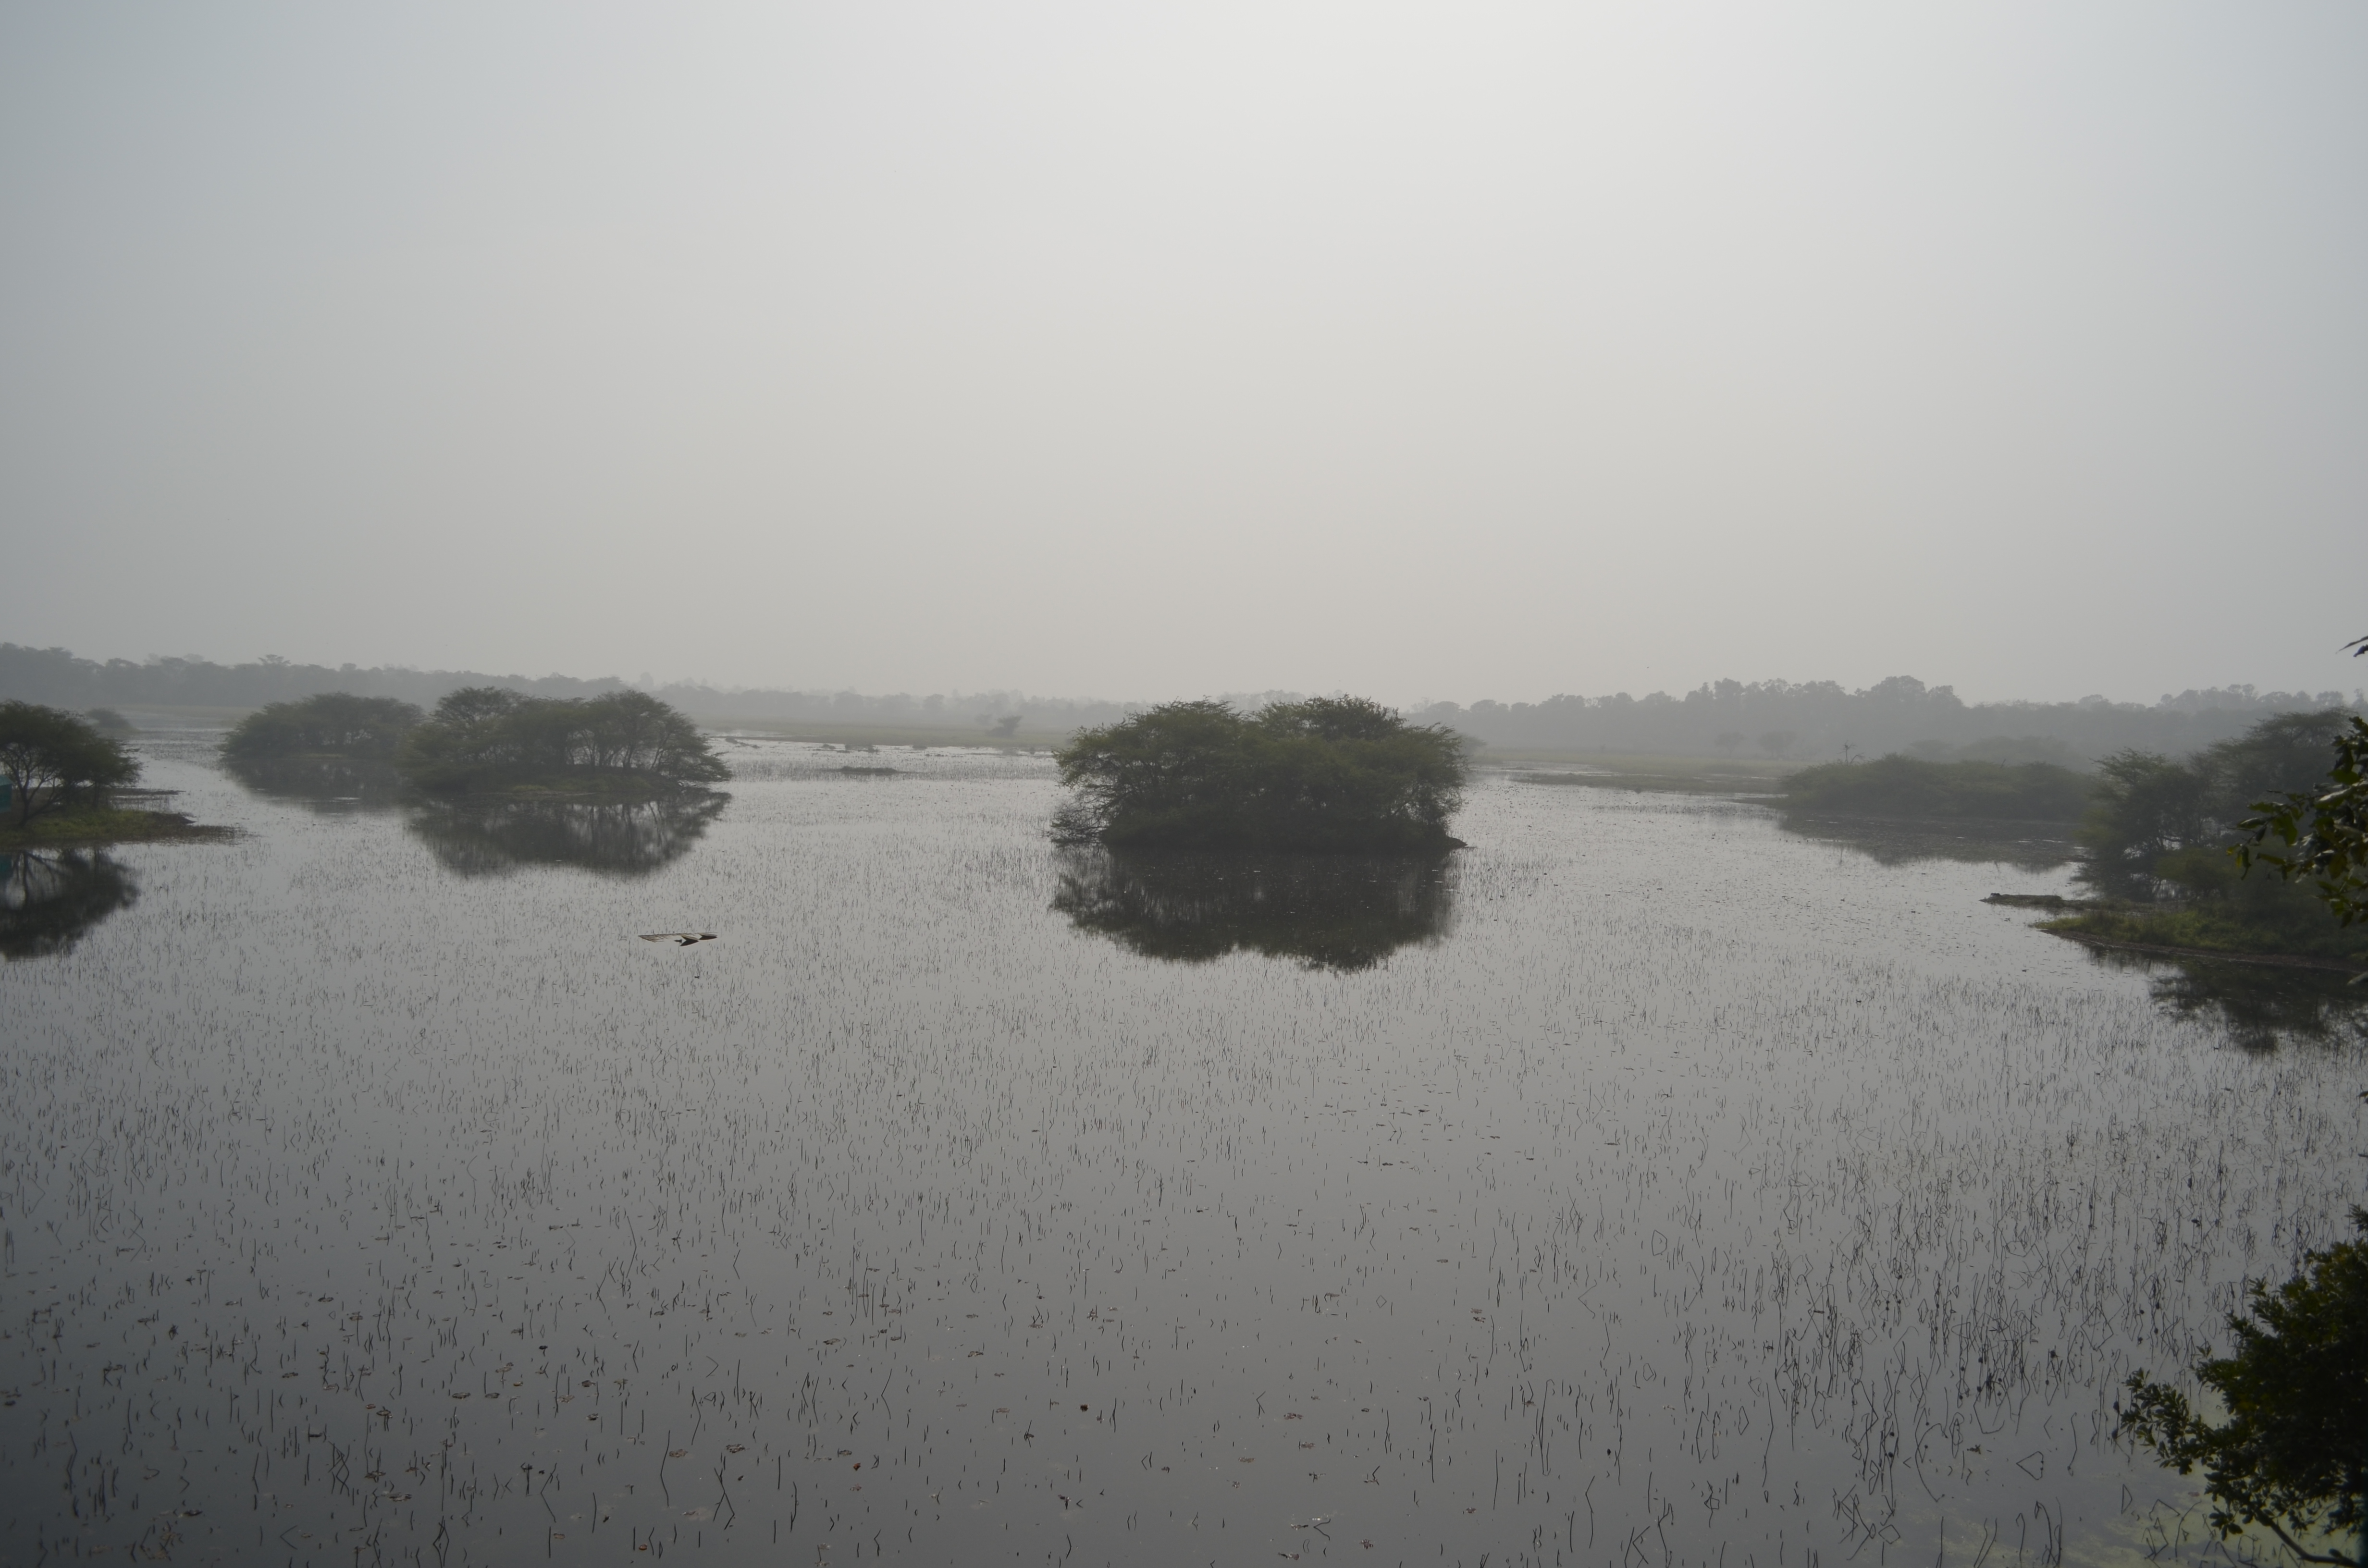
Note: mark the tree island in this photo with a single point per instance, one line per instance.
(1330, 774)
(481, 740)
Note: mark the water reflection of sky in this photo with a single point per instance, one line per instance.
(1698, 1186)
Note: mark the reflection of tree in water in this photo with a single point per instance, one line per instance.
(1336, 912)
(478, 838)
(2259, 1005)
(2033, 846)
(326, 783)
(49, 898)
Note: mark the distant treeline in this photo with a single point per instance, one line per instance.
(1812, 721)
(1807, 721)
(1908, 787)
(56, 676)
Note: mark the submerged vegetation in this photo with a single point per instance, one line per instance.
(2158, 837)
(1911, 787)
(624, 746)
(1328, 774)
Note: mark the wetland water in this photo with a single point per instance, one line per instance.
(1648, 1186)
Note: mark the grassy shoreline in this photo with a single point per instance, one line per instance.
(98, 828)
(2190, 933)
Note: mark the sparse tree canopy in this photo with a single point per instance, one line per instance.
(2292, 1454)
(53, 759)
(1326, 774)
(336, 723)
(485, 738)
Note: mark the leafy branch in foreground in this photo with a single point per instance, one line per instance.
(2293, 1454)
(2324, 833)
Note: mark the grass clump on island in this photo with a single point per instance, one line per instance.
(1326, 775)
(483, 740)
(1899, 786)
(2159, 841)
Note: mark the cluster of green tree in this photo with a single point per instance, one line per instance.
(485, 739)
(1326, 774)
(57, 763)
(2159, 836)
(1908, 787)
(480, 739)
(336, 723)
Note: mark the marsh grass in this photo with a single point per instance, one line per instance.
(359, 1211)
(103, 826)
(2204, 929)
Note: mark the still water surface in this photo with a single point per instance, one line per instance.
(1647, 1185)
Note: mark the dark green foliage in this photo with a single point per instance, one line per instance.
(2322, 833)
(2292, 1454)
(1330, 912)
(1326, 774)
(2160, 833)
(48, 900)
(485, 738)
(54, 760)
(1906, 787)
(334, 724)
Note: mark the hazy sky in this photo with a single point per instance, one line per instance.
(1144, 350)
